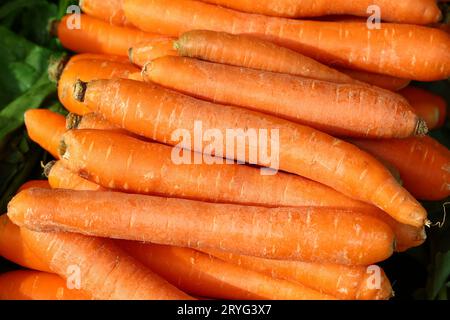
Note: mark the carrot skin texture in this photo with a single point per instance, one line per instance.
(299, 145)
(341, 43)
(147, 51)
(34, 184)
(110, 11)
(424, 164)
(378, 80)
(35, 285)
(410, 11)
(343, 282)
(60, 177)
(246, 230)
(337, 109)
(45, 128)
(102, 267)
(200, 274)
(99, 56)
(91, 121)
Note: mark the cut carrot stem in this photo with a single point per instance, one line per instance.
(60, 177)
(310, 234)
(391, 49)
(379, 80)
(45, 128)
(338, 109)
(423, 163)
(342, 166)
(35, 285)
(82, 33)
(432, 108)
(407, 11)
(110, 11)
(343, 282)
(103, 270)
(202, 275)
(145, 52)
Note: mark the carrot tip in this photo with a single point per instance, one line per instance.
(79, 90)
(48, 167)
(73, 121)
(56, 67)
(421, 128)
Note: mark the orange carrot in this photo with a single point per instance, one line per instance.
(152, 171)
(144, 52)
(90, 121)
(424, 165)
(137, 76)
(341, 165)
(108, 10)
(34, 184)
(60, 177)
(432, 108)
(338, 109)
(310, 234)
(202, 275)
(96, 36)
(344, 282)
(35, 285)
(379, 80)
(406, 11)
(45, 128)
(105, 271)
(99, 56)
(391, 50)
(88, 70)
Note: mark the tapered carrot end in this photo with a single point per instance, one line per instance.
(79, 90)
(56, 67)
(48, 167)
(421, 128)
(16, 209)
(73, 121)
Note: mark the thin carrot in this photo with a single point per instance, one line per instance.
(342, 166)
(202, 275)
(310, 234)
(344, 282)
(406, 11)
(391, 50)
(108, 10)
(96, 36)
(60, 177)
(423, 163)
(379, 80)
(35, 285)
(34, 184)
(45, 128)
(144, 52)
(432, 108)
(147, 168)
(88, 70)
(105, 271)
(338, 109)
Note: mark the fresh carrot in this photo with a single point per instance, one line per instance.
(99, 56)
(144, 52)
(342, 166)
(137, 76)
(432, 108)
(379, 80)
(13, 248)
(34, 184)
(391, 50)
(147, 168)
(90, 121)
(105, 271)
(310, 234)
(344, 282)
(35, 285)
(406, 11)
(45, 128)
(423, 163)
(60, 177)
(338, 109)
(200, 274)
(88, 70)
(108, 10)
(96, 36)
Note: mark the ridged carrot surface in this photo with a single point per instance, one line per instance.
(144, 52)
(376, 79)
(60, 177)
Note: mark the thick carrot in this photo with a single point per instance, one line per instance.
(432, 108)
(105, 271)
(406, 11)
(343, 282)
(147, 168)
(423, 163)
(144, 52)
(96, 36)
(342, 166)
(45, 128)
(60, 177)
(200, 274)
(108, 10)
(35, 285)
(379, 80)
(391, 50)
(338, 109)
(91, 121)
(87, 70)
(311, 234)
(34, 184)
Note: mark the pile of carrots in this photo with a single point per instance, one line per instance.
(118, 219)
